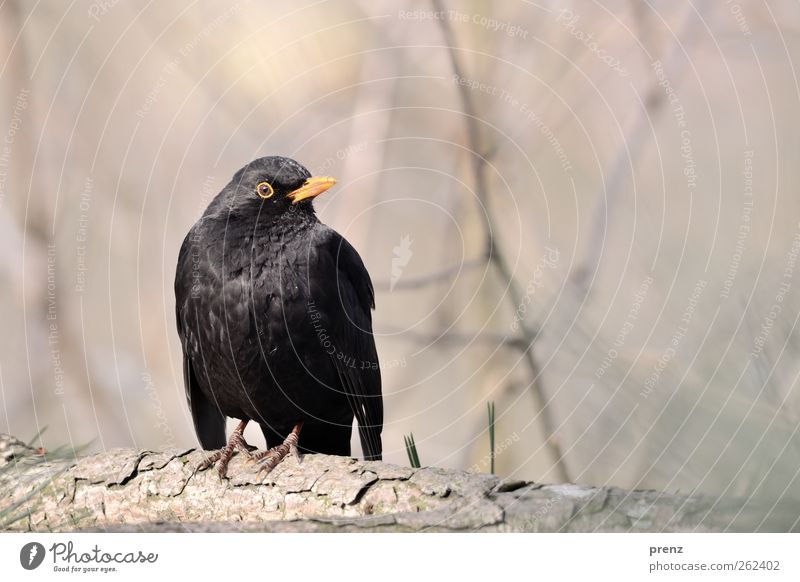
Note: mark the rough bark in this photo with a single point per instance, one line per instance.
(127, 490)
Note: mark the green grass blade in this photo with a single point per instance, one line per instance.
(490, 408)
(411, 450)
(37, 436)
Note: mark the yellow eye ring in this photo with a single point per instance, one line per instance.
(265, 190)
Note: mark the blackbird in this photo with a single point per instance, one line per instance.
(274, 317)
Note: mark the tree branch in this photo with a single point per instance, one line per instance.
(494, 252)
(128, 490)
(635, 133)
(435, 277)
(460, 338)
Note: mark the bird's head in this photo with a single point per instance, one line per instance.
(277, 185)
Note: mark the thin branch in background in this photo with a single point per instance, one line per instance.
(411, 450)
(457, 338)
(634, 134)
(490, 409)
(494, 252)
(429, 279)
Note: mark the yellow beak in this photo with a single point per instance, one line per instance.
(312, 187)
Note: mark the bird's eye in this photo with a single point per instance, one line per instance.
(265, 190)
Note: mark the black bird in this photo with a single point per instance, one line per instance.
(274, 316)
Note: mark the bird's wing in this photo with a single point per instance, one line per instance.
(346, 295)
(209, 422)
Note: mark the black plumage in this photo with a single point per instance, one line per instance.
(274, 315)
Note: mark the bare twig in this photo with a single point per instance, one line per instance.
(635, 133)
(528, 332)
(435, 277)
(459, 338)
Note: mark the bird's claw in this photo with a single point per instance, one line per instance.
(269, 459)
(235, 444)
(209, 460)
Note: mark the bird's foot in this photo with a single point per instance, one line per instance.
(224, 455)
(269, 459)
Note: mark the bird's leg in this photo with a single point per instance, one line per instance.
(269, 459)
(224, 455)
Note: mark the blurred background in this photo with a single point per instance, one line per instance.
(584, 212)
